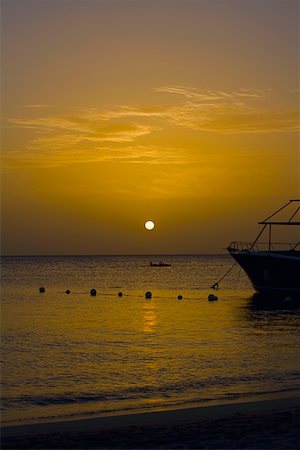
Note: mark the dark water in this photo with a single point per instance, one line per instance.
(75, 355)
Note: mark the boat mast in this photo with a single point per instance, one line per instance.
(270, 223)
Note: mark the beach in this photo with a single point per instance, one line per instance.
(259, 424)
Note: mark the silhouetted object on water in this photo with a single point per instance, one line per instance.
(148, 294)
(160, 264)
(42, 290)
(93, 292)
(212, 298)
(68, 291)
(271, 271)
(120, 294)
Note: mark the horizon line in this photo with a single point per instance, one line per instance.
(109, 255)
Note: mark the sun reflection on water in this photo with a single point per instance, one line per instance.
(150, 320)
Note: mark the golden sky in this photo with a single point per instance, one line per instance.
(184, 112)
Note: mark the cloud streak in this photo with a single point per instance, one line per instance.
(107, 134)
(56, 154)
(232, 112)
(212, 95)
(235, 112)
(37, 106)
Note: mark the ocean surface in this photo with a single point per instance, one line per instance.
(75, 355)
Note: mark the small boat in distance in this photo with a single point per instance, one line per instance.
(272, 271)
(160, 264)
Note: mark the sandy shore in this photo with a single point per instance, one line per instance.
(268, 424)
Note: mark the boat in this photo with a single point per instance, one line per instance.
(160, 264)
(273, 268)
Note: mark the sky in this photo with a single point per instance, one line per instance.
(115, 112)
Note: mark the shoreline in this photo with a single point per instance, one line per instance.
(196, 427)
(163, 415)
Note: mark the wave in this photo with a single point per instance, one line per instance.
(213, 388)
(164, 405)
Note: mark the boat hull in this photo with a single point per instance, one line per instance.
(271, 273)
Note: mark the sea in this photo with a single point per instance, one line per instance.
(67, 354)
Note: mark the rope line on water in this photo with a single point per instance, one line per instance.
(216, 285)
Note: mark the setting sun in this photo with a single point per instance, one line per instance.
(149, 225)
(158, 143)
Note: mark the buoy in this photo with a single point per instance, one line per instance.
(148, 294)
(93, 292)
(179, 297)
(212, 297)
(42, 289)
(68, 291)
(120, 294)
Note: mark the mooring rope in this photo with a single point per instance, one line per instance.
(216, 285)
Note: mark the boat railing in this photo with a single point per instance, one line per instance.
(261, 246)
(242, 246)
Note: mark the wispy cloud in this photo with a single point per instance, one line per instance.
(37, 106)
(240, 111)
(213, 95)
(234, 112)
(84, 127)
(57, 154)
(114, 134)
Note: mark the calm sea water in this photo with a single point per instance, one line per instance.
(73, 355)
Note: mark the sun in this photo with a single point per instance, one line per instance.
(149, 225)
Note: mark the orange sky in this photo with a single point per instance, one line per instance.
(185, 112)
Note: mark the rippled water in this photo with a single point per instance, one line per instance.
(67, 355)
